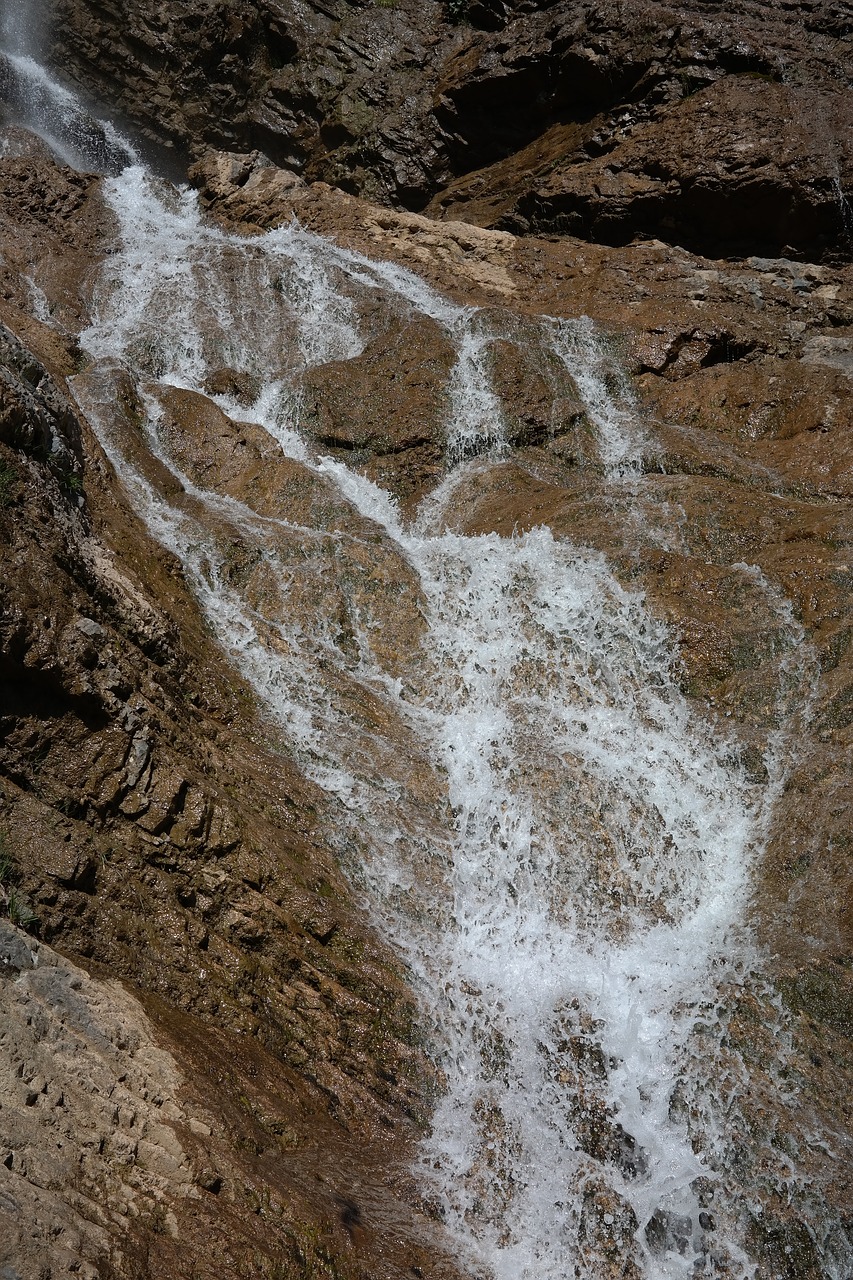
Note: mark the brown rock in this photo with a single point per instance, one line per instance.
(158, 828)
(144, 840)
(708, 173)
(603, 120)
(386, 408)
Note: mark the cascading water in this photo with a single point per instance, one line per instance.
(559, 848)
(18, 27)
(33, 99)
(567, 881)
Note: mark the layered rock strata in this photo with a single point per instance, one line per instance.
(131, 758)
(726, 133)
(243, 1104)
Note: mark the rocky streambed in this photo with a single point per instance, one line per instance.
(217, 1063)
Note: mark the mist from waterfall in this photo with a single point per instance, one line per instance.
(32, 98)
(21, 26)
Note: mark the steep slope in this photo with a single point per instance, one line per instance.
(151, 828)
(156, 830)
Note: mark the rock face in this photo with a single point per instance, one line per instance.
(741, 383)
(229, 1069)
(742, 371)
(87, 1071)
(134, 1143)
(727, 133)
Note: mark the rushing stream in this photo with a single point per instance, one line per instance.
(567, 895)
(557, 845)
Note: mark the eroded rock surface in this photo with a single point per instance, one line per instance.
(139, 836)
(132, 1142)
(737, 526)
(88, 1117)
(724, 132)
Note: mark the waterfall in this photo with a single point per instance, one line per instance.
(20, 27)
(567, 873)
(557, 845)
(33, 99)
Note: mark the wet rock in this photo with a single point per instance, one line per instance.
(126, 802)
(386, 408)
(540, 400)
(668, 1232)
(786, 1249)
(139, 781)
(607, 1228)
(232, 382)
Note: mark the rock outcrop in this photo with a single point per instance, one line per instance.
(739, 531)
(724, 132)
(140, 831)
(742, 371)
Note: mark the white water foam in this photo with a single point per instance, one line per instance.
(576, 895)
(606, 393)
(476, 421)
(35, 100)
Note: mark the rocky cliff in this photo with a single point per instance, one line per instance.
(141, 835)
(215, 1065)
(723, 130)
